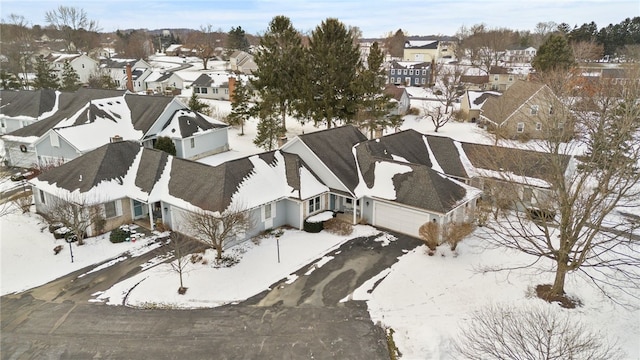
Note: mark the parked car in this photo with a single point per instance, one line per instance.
(24, 175)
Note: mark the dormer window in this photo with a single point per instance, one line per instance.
(534, 110)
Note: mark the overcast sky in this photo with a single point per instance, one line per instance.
(375, 18)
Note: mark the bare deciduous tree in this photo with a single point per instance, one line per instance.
(587, 50)
(205, 42)
(437, 116)
(580, 224)
(18, 45)
(214, 229)
(73, 23)
(448, 87)
(77, 213)
(181, 262)
(502, 332)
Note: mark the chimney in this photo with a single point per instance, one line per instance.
(129, 78)
(115, 138)
(282, 140)
(232, 86)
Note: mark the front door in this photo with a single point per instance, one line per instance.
(138, 211)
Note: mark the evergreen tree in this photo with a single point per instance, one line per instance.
(333, 58)
(45, 76)
(376, 104)
(280, 69)
(269, 127)
(8, 81)
(70, 80)
(195, 104)
(165, 144)
(237, 39)
(554, 54)
(240, 110)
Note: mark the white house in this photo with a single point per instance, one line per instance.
(83, 65)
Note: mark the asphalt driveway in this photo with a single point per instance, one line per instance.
(301, 320)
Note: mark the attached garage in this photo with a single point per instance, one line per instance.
(401, 219)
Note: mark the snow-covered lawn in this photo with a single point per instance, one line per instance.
(27, 259)
(427, 299)
(210, 286)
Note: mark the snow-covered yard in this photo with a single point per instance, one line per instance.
(425, 299)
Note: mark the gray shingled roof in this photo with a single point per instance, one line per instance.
(190, 122)
(26, 102)
(202, 81)
(422, 187)
(517, 161)
(145, 109)
(108, 162)
(409, 144)
(498, 109)
(333, 147)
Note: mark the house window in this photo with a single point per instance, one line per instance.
(510, 78)
(226, 91)
(193, 142)
(203, 90)
(496, 77)
(405, 71)
(561, 125)
(268, 211)
(424, 81)
(551, 110)
(112, 209)
(314, 204)
(416, 81)
(197, 90)
(534, 110)
(393, 71)
(538, 126)
(124, 71)
(520, 127)
(214, 90)
(55, 141)
(42, 197)
(83, 66)
(411, 72)
(424, 71)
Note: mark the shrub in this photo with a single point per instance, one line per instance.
(312, 227)
(430, 234)
(55, 226)
(454, 233)
(118, 235)
(338, 227)
(413, 111)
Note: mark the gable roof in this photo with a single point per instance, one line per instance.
(421, 44)
(27, 103)
(478, 98)
(395, 92)
(126, 169)
(334, 148)
(499, 109)
(411, 146)
(411, 184)
(69, 103)
(185, 123)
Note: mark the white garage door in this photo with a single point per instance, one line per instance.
(396, 218)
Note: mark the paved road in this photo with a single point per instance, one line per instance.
(302, 320)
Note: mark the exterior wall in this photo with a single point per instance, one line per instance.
(411, 54)
(401, 76)
(297, 147)
(529, 121)
(501, 82)
(293, 212)
(46, 152)
(125, 218)
(8, 124)
(214, 93)
(205, 144)
(324, 205)
(16, 157)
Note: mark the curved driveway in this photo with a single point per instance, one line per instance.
(301, 320)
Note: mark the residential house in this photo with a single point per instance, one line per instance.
(527, 110)
(157, 82)
(242, 62)
(409, 73)
(90, 118)
(501, 78)
(400, 96)
(152, 187)
(422, 51)
(356, 178)
(520, 54)
(471, 103)
(21, 108)
(128, 74)
(475, 82)
(83, 65)
(212, 86)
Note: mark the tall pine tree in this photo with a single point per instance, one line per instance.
(237, 39)
(376, 104)
(195, 104)
(240, 111)
(554, 54)
(70, 80)
(280, 70)
(45, 76)
(333, 58)
(269, 127)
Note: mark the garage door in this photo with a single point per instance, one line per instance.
(396, 218)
